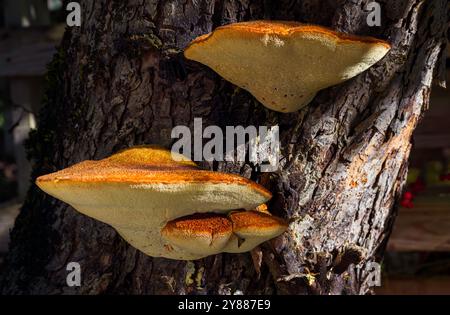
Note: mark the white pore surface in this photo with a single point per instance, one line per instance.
(285, 72)
(139, 212)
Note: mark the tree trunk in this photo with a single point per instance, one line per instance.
(121, 80)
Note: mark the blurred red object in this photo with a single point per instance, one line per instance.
(408, 195)
(407, 204)
(417, 187)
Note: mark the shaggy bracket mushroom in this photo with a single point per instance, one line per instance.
(284, 64)
(167, 208)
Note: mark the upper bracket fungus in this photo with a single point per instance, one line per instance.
(165, 207)
(284, 64)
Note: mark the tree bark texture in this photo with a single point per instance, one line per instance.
(121, 80)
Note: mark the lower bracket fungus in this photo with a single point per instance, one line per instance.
(284, 64)
(165, 207)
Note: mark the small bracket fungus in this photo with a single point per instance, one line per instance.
(202, 233)
(163, 207)
(284, 64)
(209, 234)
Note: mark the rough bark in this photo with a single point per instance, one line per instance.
(121, 80)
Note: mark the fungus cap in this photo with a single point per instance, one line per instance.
(139, 190)
(208, 234)
(252, 228)
(201, 233)
(284, 64)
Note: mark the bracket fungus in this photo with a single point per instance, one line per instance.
(167, 207)
(284, 64)
(209, 234)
